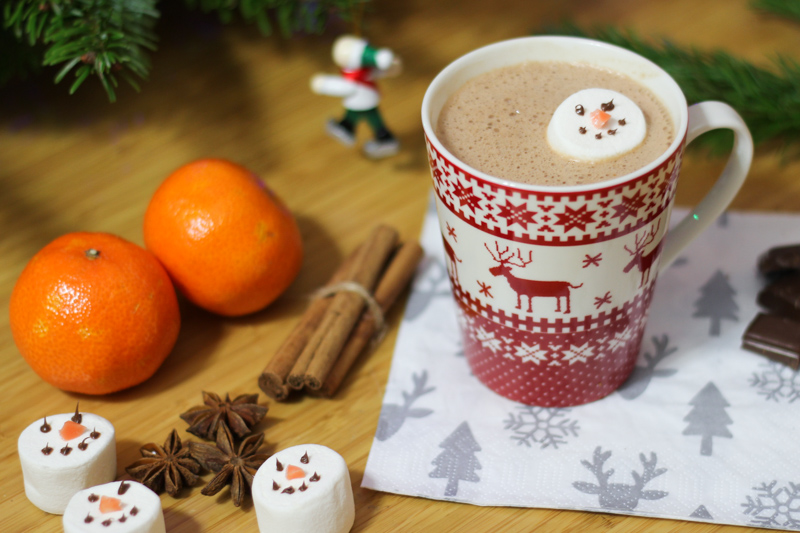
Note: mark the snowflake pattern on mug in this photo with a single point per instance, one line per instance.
(540, 218)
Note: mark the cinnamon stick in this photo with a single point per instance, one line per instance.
(398, 274)
(345, 310)
(273, 378)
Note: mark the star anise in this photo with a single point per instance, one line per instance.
(166, 468)
(232, 465)
(239, 415)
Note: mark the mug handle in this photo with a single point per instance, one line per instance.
(704, 117)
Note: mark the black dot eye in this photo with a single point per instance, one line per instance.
(579, 110)
(608, 106)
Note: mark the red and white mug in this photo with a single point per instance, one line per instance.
(553, 283)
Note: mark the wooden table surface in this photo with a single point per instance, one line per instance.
(80, 163)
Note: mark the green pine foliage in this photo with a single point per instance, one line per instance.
(307, 16)
(112, 39)
(17, 59)
(109, 39)
(783, 8)
(767, 98)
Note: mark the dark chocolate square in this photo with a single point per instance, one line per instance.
(780, 259)
(775, 337)
(782, 296)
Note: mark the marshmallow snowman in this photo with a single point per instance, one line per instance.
(596, 124)
(118, 507)
(62, 454)
(304, 488)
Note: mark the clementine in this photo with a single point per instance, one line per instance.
(229, 243)
(94, 313)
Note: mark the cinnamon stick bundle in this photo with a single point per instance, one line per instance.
(398, 274)
(273, 379)
(325, 344)
(334, 329)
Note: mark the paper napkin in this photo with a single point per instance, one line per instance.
(702, 430)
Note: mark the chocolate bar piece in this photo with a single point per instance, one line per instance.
(776, 337)
(780, 259)
(782, 296)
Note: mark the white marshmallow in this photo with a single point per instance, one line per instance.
(71, 465)
(574, 136)
(140, 510)
(320, 499)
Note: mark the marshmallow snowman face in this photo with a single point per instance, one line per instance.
(64, 453)
(121, 507)
(304, 488)
(596, 124)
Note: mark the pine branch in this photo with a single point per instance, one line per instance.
(308, 16)
(783, 8)
(18, 59)
(108, 39)
(768, 100)
(111, 39)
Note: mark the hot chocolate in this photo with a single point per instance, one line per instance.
(498, 123)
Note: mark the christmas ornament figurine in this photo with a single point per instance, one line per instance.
(361, 64)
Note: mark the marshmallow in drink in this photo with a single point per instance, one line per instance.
(118, 507)
(62, 454)
(302, 489)
(596, 124)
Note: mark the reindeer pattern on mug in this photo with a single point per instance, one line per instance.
(553, 318)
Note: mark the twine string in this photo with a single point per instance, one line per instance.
(373, 307)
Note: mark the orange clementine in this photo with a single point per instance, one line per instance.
(94, 313)
(229, 243)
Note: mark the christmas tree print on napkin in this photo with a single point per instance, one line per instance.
(716, 303)
(621, 496)
(701, 513)
(708, 417)
(458, 461)
(393, 415)
(641, 376)
(541, 425)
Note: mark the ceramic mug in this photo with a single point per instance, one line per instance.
(552, 305)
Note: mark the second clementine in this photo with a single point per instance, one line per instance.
(229, 243)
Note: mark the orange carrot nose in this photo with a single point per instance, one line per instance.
(109, 504)
(294, 472)
(71, 430)
(599, 118)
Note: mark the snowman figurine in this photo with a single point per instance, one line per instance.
(361, 64)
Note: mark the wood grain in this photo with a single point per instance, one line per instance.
(79, 163)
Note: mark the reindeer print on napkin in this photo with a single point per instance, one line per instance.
(621, 496)
(642, 374)
(394, 415)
